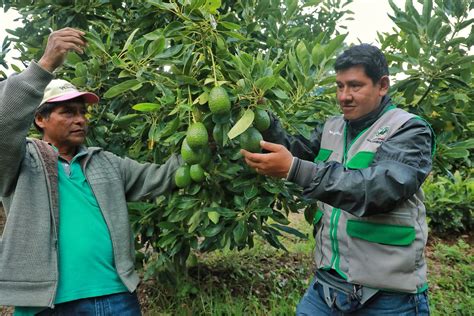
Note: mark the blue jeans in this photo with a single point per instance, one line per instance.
(383, 303)
(123, 304)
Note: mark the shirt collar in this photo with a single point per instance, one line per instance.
(81, 152)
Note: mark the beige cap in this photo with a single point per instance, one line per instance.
(59, 90)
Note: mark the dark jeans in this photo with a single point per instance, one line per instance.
(123, 304)
(383, 303)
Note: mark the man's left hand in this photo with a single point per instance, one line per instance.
(276, 163)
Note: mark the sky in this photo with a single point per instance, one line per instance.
(369, 16)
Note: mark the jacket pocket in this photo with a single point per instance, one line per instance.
(381, 255)
(394, 235)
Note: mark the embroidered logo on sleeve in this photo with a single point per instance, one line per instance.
(380, 135)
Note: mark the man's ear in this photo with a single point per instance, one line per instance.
(39, 120)
(384, 85)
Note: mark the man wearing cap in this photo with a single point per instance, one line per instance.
(67, 246)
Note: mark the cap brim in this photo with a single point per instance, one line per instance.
(89, 97)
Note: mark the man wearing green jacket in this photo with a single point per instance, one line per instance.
(67, 246)
(365, 168)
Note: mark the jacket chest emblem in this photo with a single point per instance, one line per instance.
(335, 133)
(380, 135)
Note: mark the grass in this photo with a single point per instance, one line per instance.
(451, 277)
(257, 281)
(266, 281)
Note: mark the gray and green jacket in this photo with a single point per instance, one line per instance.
(28, 185)
(366, 175)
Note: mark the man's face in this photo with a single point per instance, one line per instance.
(357, 94)
(66, 126)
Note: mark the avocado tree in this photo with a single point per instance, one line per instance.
(199, 78)
(431, 50)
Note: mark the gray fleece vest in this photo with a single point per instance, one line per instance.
(383, 251)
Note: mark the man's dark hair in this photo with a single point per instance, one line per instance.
(367, 56)
(45, 110)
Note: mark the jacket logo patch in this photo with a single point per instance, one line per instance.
(337, 133)
(380, 135)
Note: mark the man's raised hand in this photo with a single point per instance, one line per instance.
(61, 42)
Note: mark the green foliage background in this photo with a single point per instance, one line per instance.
(154, 62)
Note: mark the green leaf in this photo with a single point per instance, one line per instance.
(295, 68)
(214, 216)
(129, 40)
(156, 34)
(93, 41)
(413, 46)
(235, 35)
(240, 232)
(303, 56)
(466, 144)
(290, 230)
(464, 24)
(242, 124)
(317, 54)
(156, 47)
(265, 83)
(334, 44)
(225, 212)
(212, 231)
(433, 26)
(132, 84)
(250, 192)
(15, 68)
(456, 153)
(73, 58)
(169, 129)
(194, 221)
(213, 5)
(146, 107)
(173, 50)
(163, 6)
(427, 8)
(280, 94)
(229, 25)
(173, 28)
(202, 98)
(461, 97)
(291, 7)
(126, 119)
(442, 33)
(309, 3)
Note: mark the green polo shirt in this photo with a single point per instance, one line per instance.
(86, 261)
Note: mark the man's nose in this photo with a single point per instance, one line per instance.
(344, 95)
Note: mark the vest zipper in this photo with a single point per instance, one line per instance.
(336, 213)
(333, 236)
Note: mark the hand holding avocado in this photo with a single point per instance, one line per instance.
(276, 163)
